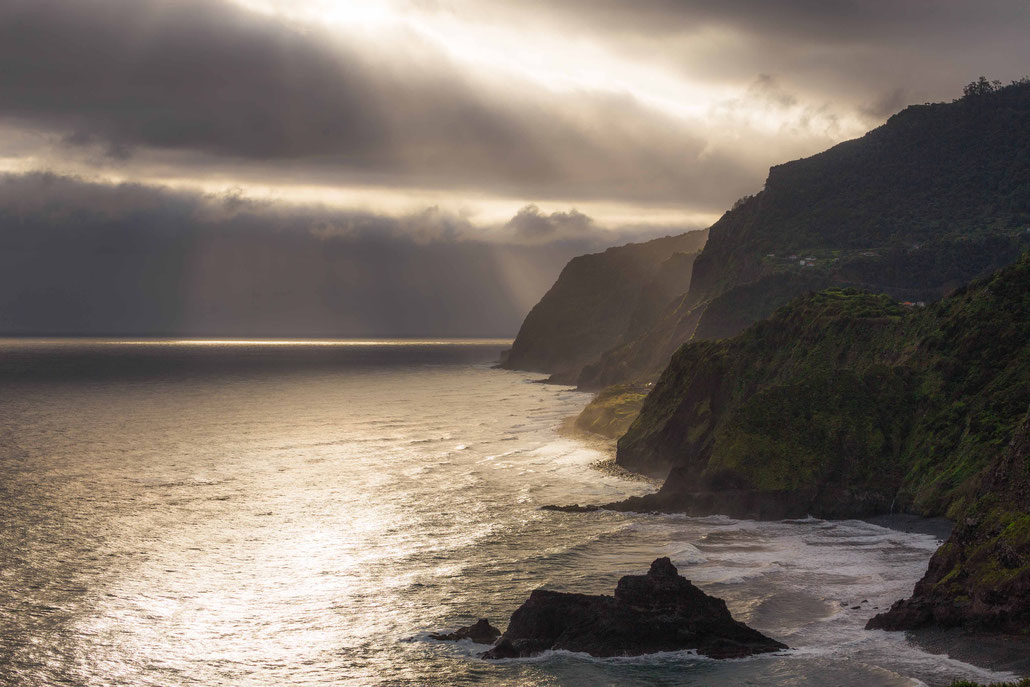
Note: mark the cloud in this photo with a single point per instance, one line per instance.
(223, 87)
(531, 224)
(677, 104)
(653, 109)
(886, 103)
(837, 52)
(90, 258)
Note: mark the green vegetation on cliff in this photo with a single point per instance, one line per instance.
(848, 404)
(601, 299)
(980, 577)
(843, 403)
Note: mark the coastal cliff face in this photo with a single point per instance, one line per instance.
(927, 202)
(980, 577)
(842, 404)
(601, 299)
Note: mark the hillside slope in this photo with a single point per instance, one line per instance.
(599, 300)
(842, 404)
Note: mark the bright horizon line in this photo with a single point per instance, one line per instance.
(201, 341)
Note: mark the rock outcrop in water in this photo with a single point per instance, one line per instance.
(659, 611)
(482, 632)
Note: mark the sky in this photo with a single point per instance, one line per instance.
(416, 167)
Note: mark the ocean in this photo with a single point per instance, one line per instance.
(307, 513)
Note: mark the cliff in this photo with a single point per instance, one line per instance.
(599, 300)
(841, 404)
(980, 577)
(934, 198)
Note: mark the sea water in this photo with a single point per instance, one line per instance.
(307, 513)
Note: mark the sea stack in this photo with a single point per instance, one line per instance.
(659, 611)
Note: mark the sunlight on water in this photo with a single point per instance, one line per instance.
(230, 514)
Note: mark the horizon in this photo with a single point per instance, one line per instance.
(215, 341)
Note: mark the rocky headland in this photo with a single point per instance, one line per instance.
(931, 200)
(843, 404)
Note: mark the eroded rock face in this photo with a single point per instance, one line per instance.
(659, 611)
(482, 632)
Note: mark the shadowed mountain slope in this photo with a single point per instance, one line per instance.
(601, 299)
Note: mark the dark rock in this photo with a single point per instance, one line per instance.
(574, 508)
(480, 633)
(659, 611)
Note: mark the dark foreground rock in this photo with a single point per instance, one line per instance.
(482, 632)
(574, 508)
(659, 611)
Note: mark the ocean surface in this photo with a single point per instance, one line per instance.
(175, 513)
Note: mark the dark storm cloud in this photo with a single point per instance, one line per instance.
(207, 88)
(180, 73)
(234, 87)
(89, 258)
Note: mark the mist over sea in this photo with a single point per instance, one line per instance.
(225, 513)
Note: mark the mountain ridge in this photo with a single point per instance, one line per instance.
(933, 198)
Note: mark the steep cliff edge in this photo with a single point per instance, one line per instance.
(842, 404)
(980, 577)
(601, 299)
